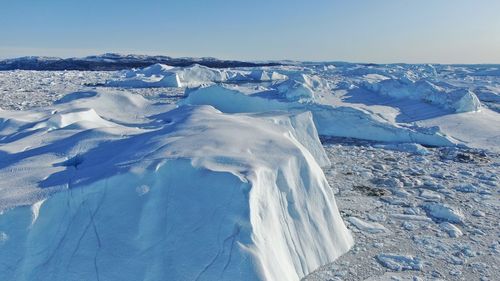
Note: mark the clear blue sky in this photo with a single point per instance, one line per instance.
(447, 31)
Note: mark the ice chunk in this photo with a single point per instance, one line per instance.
(413, 148)
(230, 100)
(153, 70)
(302, 88)
(464, 101)
(467, 188)
(196, 75)
(166, 80)
(296, 91)
(429, 194)
(443, 212)
(405, 217)
(369, 227)
(399, 262)
(262, 75)
(451, 229)
(478, 213)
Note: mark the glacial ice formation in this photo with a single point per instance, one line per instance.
(225, 183)
(160, 75)
(330, 120)
(174, 194)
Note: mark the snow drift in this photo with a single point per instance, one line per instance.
(185, 194)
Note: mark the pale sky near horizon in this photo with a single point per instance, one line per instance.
(382, 31)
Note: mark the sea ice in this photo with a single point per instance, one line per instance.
(399, 262)
(368, 227)
(443, 212)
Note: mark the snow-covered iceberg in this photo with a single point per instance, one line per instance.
(302, 88)
(163, 194)
(458, 100)
(330, 120)
(159, 75)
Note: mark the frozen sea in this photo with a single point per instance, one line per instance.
(313, 171)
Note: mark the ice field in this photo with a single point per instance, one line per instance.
(301, 171)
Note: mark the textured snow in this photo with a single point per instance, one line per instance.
(226, 195)
(102, 181)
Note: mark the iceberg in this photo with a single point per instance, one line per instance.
(187, 193)
(458, 100)
(340, 121)
(159, 75)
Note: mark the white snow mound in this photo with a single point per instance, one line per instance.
(86, 117)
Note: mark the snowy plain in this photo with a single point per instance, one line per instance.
(410, 152)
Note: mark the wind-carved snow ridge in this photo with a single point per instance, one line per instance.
(187, 193)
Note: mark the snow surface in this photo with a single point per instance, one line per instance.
(238, 192)
(99, 172)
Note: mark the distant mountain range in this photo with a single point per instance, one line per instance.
(112, 61)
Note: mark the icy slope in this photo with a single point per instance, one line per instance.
(163, 194)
